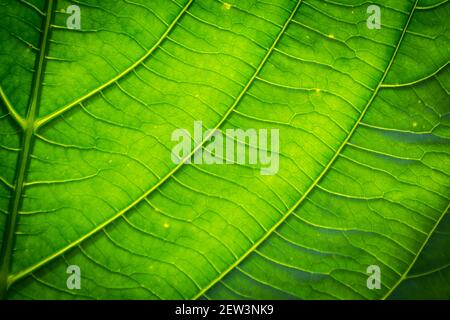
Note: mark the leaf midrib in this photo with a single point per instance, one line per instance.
(17, 276)
(24, 157)
(30, 125)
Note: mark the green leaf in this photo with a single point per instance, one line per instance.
(431, 269)
(86, 176)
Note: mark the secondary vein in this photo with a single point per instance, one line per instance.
(12, 112)
(324, 171)
(405, 274)
(48, 118)
(30, 269)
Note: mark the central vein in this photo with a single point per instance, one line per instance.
(24, 156)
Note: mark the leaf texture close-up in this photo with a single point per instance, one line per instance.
(91, 92)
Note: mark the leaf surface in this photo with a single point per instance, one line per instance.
(86, 176)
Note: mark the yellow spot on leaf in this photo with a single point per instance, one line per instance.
(331, 36)
(227, 6)
(414, 124)
(166, 225)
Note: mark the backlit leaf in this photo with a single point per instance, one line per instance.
(86, 176)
